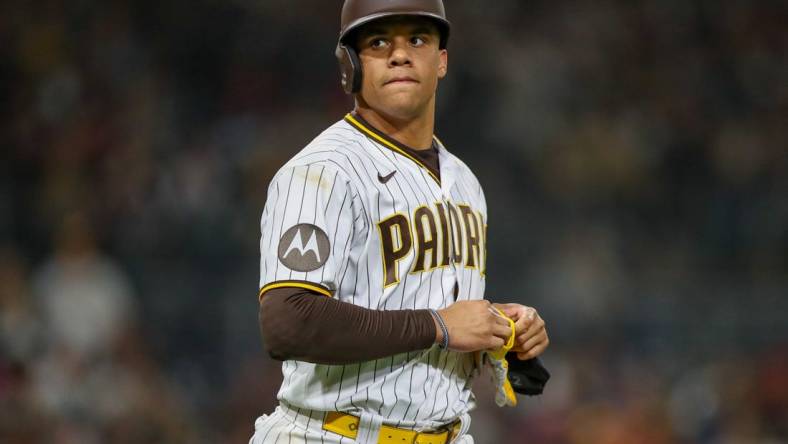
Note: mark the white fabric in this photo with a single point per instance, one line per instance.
(334, 184)
(368, 429)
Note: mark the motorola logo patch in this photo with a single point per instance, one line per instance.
(304, 247)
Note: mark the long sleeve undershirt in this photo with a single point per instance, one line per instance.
(305, 326)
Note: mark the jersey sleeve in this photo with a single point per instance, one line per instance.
(307, 228)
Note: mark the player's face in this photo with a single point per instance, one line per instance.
(402, 62)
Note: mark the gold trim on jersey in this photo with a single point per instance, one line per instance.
(391, 144)
(390, 257)
(484, 267)
(311, 286)
(472, 238)
(418, 246)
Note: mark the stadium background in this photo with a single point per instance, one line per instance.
(633, 155)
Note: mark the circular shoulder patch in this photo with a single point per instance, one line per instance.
(304, 247)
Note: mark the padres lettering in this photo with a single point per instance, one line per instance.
(439, 234)
(335, 223)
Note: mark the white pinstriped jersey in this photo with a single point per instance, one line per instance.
(353, 216)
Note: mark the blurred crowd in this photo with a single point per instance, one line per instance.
(634, 157)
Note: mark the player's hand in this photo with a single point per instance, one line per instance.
(472, 326)
(530, 332)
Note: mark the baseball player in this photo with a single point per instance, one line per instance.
(373, 254)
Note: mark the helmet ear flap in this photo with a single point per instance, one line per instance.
(349, 68)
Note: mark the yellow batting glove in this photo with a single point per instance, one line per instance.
(504, 395)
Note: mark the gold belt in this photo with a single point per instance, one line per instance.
(347, 426)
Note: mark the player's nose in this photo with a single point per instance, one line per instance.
(400, 54)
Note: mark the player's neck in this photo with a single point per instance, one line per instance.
(415, 133)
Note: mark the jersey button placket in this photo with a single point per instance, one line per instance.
(453, 273)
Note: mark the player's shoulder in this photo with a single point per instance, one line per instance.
(329, 150)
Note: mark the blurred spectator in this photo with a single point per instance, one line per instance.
(86, 299)
(82, 373)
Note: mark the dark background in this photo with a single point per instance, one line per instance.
(633, 154)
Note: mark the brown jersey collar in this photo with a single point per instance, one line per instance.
(384, 139)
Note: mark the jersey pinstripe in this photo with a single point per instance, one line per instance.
(398, 238)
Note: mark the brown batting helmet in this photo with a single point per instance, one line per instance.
(356, 13)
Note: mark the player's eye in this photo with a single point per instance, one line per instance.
(377, 43)
(417, 40)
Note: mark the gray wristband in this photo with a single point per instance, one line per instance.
(444, 345)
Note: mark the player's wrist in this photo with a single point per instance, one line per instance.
(438, 331)
(441, 331)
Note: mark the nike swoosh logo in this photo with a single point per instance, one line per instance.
(384, 179)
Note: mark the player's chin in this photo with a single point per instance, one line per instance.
(402, 105)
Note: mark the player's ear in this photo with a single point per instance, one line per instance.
(443, 63)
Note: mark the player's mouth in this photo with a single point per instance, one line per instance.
(401, 80)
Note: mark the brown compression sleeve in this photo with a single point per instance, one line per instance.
(305, 326)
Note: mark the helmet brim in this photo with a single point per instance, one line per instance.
(443, 25)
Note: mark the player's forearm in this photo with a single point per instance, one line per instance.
(297, 324)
